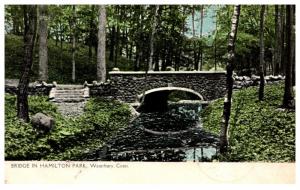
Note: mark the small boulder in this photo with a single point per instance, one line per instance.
(42, 122)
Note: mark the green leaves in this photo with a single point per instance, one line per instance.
(71, 138)
(247, 44)
(259, 131)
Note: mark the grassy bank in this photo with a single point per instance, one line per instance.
(259, 131)
(71, 139)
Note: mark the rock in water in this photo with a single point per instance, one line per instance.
(42, 122)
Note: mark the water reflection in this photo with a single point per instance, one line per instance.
(200, 154)
(174, 135)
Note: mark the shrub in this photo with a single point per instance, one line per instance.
(71, 139)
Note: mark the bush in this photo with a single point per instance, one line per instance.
(71, 139)
(259, 131)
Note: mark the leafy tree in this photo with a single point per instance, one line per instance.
(247, 44)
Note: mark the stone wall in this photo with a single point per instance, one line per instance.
(101, 89)
(254, 80)
(127, 85)
(42, 89)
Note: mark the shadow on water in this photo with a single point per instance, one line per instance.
(172, 135)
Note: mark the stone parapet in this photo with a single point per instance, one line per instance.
(36, 88)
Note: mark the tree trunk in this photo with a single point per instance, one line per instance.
(294, 48)
(140, 41)
(73, 43)
(201, 31)
(117, 37)
(156, 60)
(101, 65)
(90, 39)
(229, 80)
(30, 22)
(137, 59)
(169, 55)
(122, 33)
(215, 45)
(164, 52)
(112, 44)
(56, 38)
(61, 45)
(282, 57)
(43, 49)
(126, 43)
(117, 47)
(194, 42)
(181, 44)
(261, 54)
(130, 50)
(277, 52)
(265, 65)
(130, 37)
(153, 32)
(288, 99)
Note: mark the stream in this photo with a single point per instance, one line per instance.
(174, 135)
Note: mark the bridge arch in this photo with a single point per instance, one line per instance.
(157, 99)
(169, 89)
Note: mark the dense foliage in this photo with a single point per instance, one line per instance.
(259, 131)
(71, 139)
(247, 44)
(60, 66)
(129, 29)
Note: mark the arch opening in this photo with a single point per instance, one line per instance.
(160, 99)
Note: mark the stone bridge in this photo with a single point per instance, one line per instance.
(128, 86)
